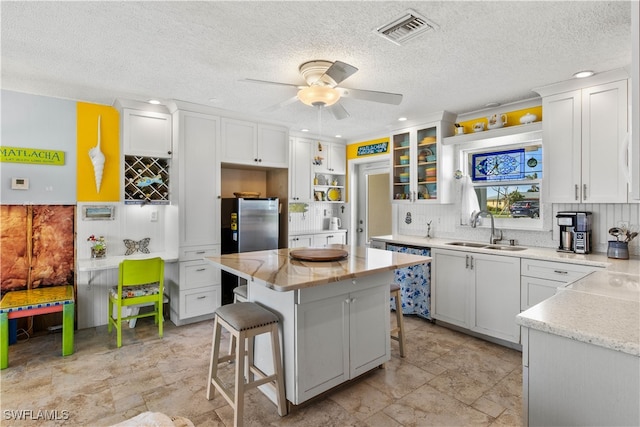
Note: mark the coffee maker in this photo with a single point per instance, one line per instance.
(575, 232)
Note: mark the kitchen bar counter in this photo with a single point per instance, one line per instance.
(282, 273)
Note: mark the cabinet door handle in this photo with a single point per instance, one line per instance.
(200, 252)
(347, 301)
(471, 263)
(560, 272)
(202, 297)
(201, 269)
(576, 191)
(584, 192)
(466, 261)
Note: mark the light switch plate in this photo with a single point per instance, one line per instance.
(19, 183)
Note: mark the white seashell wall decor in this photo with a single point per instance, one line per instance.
(97, 159)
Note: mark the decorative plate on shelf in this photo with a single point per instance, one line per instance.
(322, 180)
(334, 195)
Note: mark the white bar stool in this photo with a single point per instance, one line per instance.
(240, 294)
(397, 333)
(244, 321)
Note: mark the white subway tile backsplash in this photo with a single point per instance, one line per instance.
(446, 219)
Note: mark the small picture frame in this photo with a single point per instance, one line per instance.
(319, 196)
(98, 213)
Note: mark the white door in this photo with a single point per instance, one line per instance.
(373, 211)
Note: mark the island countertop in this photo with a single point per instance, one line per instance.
(282, 273)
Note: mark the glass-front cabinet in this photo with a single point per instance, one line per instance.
(422, 166)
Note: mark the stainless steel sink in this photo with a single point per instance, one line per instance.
(504, 248)
(468, 244)
(485, 246)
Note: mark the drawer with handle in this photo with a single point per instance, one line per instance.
(199, 301)
(195, 274)
(196, 253)
(551, 270)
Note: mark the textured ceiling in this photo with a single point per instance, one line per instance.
(197, 51)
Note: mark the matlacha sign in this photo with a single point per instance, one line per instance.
(31, 155)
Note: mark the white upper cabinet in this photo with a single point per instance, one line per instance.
(300, 171)
(585, 144)
(198, 177)
(249, 143)
(330, 158)
(273, 146)
(422, 166)
(146, 133)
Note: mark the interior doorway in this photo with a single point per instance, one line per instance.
(373, 209)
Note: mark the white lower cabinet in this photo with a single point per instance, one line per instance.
(301, 241)
(318, 240)
(338, 339)
(541, 279)
(196, 291)
(478, 292)
(567, 382)
(333, 238)
(330, 333)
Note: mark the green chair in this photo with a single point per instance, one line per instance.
(140, 281)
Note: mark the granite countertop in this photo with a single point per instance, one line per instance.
(602, 308)
(631, 266)
(282, 273)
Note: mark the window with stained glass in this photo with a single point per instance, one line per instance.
(508, 181)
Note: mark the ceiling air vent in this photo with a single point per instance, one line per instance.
(406, 27)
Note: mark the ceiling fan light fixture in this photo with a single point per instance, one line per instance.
(318, 96)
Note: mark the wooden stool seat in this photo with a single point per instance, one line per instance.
(397, 333)
(244, 321)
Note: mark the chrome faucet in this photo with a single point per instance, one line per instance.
(494, 238)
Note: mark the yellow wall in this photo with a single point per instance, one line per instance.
(87, 138)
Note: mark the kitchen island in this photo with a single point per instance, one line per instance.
(334, 314)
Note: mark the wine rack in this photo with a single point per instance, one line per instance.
(146, 180)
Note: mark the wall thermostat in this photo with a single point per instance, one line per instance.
(19, 183)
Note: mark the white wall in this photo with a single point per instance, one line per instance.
(31, 121)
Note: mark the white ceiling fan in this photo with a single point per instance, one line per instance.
(323, 78)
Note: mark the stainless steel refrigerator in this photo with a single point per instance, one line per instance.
(247, 225)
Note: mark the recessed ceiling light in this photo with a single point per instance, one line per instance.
(304, 130)
(583, 74)
(338, 136)
(492, 104)
(402, 119)
(154, 101)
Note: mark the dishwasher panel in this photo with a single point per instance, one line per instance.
(415, 283)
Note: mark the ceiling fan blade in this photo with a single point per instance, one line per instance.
(272, 83)
(338, 111)
(371, 95)
(280, 105)
(338, 72)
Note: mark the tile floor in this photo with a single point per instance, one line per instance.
(447, 379)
